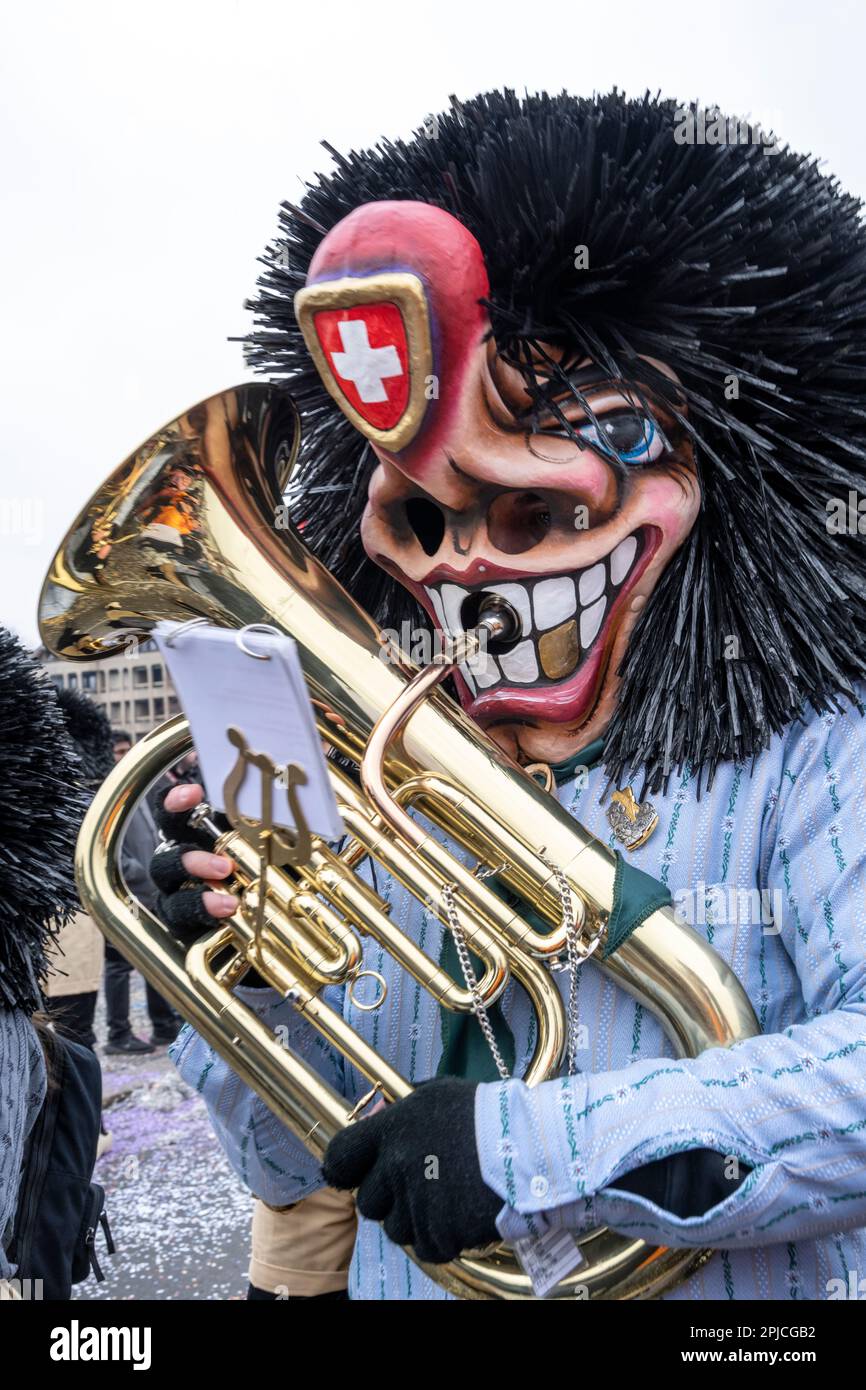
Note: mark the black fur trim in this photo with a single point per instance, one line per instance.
(42, 801)
(90, 731)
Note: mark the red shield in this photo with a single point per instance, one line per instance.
(366, 348)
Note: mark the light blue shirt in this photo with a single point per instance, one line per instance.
(769, 868)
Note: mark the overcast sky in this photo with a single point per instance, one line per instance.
(145, 150)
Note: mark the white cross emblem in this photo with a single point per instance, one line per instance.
(365, 366)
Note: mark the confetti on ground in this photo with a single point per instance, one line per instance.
(179, 1217)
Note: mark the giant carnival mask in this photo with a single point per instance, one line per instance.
(557, 488)
(556, 348)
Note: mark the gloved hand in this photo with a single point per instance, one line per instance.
(685, 1184)
(189, 909)
(416, 1169)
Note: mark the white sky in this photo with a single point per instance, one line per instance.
(145, 148)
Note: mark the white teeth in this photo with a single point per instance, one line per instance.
(592, 584)
(554, 601)
(590, 622)
(452, 599)
(621, 559)
(484, 669)
(464, 671)
(541, 604)
(433, 595)
(516, 595)
(520, 664)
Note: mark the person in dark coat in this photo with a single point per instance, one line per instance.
(139, 843)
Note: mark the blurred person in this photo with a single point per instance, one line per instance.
(184, 770)
(77, 953)
(139, 843)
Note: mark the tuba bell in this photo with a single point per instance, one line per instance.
(185, 529)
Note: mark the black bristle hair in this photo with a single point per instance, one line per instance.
(90, 731)
(42, 802)
(721, 260)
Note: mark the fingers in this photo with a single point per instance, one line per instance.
(172, 816)
(184, 798)
(188, 912)
(173, 865)
(374, 1198)
(186, 906)
(352, 1153)
(398, 1227)
(198, 863)
(434, 1252)
(219, 904)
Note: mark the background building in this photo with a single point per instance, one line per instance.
(133, 686)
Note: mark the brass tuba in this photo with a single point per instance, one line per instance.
(184, 529)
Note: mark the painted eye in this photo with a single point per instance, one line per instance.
(630, 436)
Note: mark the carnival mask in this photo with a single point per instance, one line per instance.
(544, 480)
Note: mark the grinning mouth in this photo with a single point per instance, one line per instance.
(553, 671)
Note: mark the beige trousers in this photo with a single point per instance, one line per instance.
(304, 1249)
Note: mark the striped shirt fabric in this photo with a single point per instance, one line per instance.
(768, 866)
(22, 1091)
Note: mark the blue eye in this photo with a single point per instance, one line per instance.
(631, 437)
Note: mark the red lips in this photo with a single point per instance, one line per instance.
(567, 701)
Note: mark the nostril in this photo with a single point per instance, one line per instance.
(427, 522)
(516, 521)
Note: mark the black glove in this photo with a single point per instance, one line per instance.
(180, 901)
(684, 1184)
(417, 1171)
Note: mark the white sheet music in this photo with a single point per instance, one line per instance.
(219, 686)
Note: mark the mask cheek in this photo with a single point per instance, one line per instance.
(669, 501)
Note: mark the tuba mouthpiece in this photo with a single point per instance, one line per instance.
(500, 621)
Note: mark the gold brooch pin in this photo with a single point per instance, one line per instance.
(631, 821)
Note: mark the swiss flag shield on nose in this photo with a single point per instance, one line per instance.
(367, 349)
(370, 340)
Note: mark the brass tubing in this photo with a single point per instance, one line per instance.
(287, 1085)
(480, 912)
(548, 945)
(472, 825)
(333, 1027)
(375, 922)
(306, 948)
(380, 744)
(427, 886)
(315, 936)
(364, 909)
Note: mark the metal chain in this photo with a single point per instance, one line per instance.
(574, 961)
(478, 1005)
(574, 954)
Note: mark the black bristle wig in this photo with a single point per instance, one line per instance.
(723, 261)
(42, 802)
(90, 731)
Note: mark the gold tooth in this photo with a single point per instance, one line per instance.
(559, 650)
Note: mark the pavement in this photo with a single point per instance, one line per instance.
(179, 1217)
